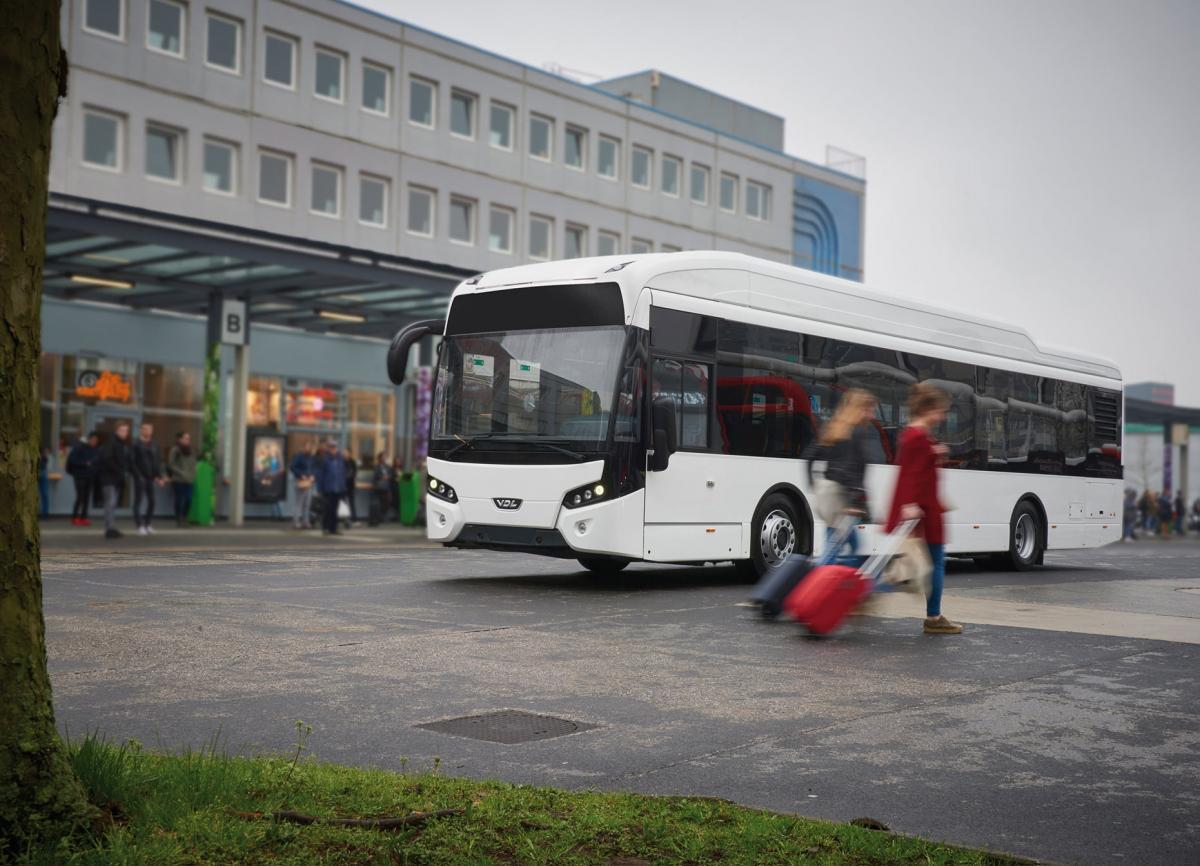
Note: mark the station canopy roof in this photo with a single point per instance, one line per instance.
(150, 260)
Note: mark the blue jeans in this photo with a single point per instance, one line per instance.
(848, 558)
(933, 604)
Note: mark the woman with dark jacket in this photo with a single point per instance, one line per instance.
(82, 464)
(916, 496)
(843, 446)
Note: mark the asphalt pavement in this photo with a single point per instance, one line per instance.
(1062, 725)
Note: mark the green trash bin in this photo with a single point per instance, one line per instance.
(408, 487)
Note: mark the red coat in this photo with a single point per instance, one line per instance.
(918, 484)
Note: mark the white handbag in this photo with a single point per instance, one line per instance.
(911, 567)
(343, 509)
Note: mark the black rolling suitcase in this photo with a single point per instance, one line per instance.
(775, 585)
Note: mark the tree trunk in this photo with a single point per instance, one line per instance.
(39, 795)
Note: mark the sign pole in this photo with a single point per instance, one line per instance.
(235, 331)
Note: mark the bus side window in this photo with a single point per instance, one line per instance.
(685, 385)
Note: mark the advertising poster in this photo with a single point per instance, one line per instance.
(267, 476)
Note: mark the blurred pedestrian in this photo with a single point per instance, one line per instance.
(115, 461)
(1164, 513)
(304, 469)
(331, 484)
(1149, 507)
(843, 445)
(394, 493)
(351, 477)
(382, 483)
(1195, 521)
(82, 464)
(916, 496)
(1129, 515)
(1180, 512)
(148, 473)
(43, 472)
(181, 465)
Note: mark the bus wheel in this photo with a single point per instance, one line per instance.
(1025, 542)
(603, 565)
(773, 534)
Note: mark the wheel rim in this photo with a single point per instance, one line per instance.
(1025, 537)
(777, 539)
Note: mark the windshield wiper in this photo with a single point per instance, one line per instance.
(469, 442)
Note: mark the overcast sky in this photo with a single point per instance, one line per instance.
(1035, 161)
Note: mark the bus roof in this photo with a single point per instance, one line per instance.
(739, 279)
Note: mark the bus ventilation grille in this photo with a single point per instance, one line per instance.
(1106, 410)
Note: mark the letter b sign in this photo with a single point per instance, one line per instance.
(234, 326)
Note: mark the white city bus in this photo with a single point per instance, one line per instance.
(655, 407)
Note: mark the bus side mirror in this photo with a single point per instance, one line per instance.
(663, 438)
(397, 356)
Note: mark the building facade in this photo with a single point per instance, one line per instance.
(355, 137)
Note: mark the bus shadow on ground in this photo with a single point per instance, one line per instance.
(637, 578)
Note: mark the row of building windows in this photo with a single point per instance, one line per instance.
(103, 146)
(165, 33)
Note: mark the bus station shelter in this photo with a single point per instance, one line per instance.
(139, 276)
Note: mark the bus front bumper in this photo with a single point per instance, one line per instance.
(610, 528)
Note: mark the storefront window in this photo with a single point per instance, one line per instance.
(314, 405)
(170, 387)
(262, 402)
(371, 425)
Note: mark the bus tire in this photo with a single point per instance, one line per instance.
(603, 565)
(1026, 539)
(774, 535)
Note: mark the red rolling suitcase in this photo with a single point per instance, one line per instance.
(827, 595)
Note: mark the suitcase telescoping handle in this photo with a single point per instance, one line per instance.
(875, 565)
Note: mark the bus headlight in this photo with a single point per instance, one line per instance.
(441, 490)
(585, 495)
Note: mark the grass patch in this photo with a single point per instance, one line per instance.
(181, 810)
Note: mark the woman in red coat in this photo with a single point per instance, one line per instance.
(916, 497)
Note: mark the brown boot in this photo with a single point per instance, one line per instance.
(941, 625)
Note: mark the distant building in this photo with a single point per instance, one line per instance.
(1154, 392)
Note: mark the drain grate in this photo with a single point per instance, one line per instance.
(507, 726)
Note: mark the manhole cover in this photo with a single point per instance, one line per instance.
(507, 726)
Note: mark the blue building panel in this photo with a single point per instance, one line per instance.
(827, 228)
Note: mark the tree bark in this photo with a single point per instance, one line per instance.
(40, 797)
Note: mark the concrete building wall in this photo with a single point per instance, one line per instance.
(143, 86)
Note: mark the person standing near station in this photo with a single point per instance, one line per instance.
(1164, 513)
(382, 481)
(181, 466)
(116, 459)
(82, 463)
(1129, 515)
(43, 476)
(148, 473)
(303, 468)
(331, 484)
(1180, 513)
(351, 466)
(916, 496)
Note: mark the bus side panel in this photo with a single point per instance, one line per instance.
(702, 491)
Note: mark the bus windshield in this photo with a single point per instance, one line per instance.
(549, 384)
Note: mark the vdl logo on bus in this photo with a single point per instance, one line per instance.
(507, 504)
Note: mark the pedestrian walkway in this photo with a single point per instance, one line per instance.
(58, 536)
